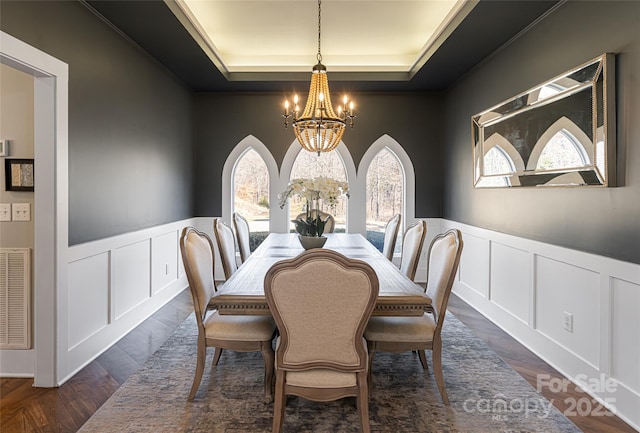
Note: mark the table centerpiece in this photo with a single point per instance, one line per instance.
(315, 192)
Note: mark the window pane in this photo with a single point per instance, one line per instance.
(309, 165)
(562, 151)
(251, 194)
(497, 162)
(384, 196)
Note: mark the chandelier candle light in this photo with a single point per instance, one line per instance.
(319, 128)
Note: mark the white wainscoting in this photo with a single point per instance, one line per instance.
(115, 284)
(527, 288)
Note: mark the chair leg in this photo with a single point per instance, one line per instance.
(279, 403)
(371, 349)
(269, 361)
(216, 356)
(437, 369)
(201, 358)
(423, 359)
(362, 401)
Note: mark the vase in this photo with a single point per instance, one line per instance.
(309, 242)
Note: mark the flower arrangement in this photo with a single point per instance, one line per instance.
(314, 191)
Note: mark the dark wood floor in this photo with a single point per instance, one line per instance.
(26, 409)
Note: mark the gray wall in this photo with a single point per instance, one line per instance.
(130, 122)
(604, 221)
(413, 120)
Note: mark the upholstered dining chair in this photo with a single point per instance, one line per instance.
(331, 222)
(238, 333)
(403, 334)
(320, 353)
(390, 236)
(241, 227)
(226, 246)
(412, 242)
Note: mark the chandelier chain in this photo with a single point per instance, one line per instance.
(318, 128)
(319, 56)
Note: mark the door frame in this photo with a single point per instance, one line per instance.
(51, 208)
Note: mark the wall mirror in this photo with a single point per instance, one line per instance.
(560, 133)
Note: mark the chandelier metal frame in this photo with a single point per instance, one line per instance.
(319, 128)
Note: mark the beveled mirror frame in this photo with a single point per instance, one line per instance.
(575, 111)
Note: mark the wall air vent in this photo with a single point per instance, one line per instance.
(15, 290)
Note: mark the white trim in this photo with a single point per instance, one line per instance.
(250, 142)
(52, 202)
(357, 201)
(111, 280)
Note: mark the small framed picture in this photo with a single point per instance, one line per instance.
(19, 174)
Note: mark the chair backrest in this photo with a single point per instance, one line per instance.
(227, 246)
(197, 255)
(390, 236)
(443, 260)
(412, 242)
(321, 302)
(242, 236)
(330, 221)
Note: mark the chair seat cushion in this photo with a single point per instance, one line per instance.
(239, 328)
(321, 378)
(401, 329)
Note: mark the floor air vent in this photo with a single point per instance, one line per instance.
(15, 288)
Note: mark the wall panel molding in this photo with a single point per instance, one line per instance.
(601, 293)
(131, 276)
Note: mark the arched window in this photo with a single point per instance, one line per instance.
(311, 165)
(496, 161)
(251, 190)
(386, 150)
(561, 152)
(497, 168)
(250, 149)
(385, 195)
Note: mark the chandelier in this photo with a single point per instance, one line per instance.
(319, 128)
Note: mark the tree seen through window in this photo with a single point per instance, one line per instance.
(251, 193)
(384, 196)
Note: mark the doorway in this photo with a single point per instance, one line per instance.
(50, 213)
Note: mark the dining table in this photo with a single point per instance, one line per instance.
(243, 292)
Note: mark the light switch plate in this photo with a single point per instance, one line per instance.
(4, 147)
(5, 211)
(21, 211)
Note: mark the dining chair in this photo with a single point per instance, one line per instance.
(320, 353)
(330, 221)
(226, 246)
(243, 234)
(390, 236)
(237, 333)
(402, 334)
(412, 242)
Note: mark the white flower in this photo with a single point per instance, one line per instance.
(320, 188)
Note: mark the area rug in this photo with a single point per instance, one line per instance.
(486, 395)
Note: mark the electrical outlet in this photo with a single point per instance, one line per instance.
(5, 212)
(21, 211)
(568, 322)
